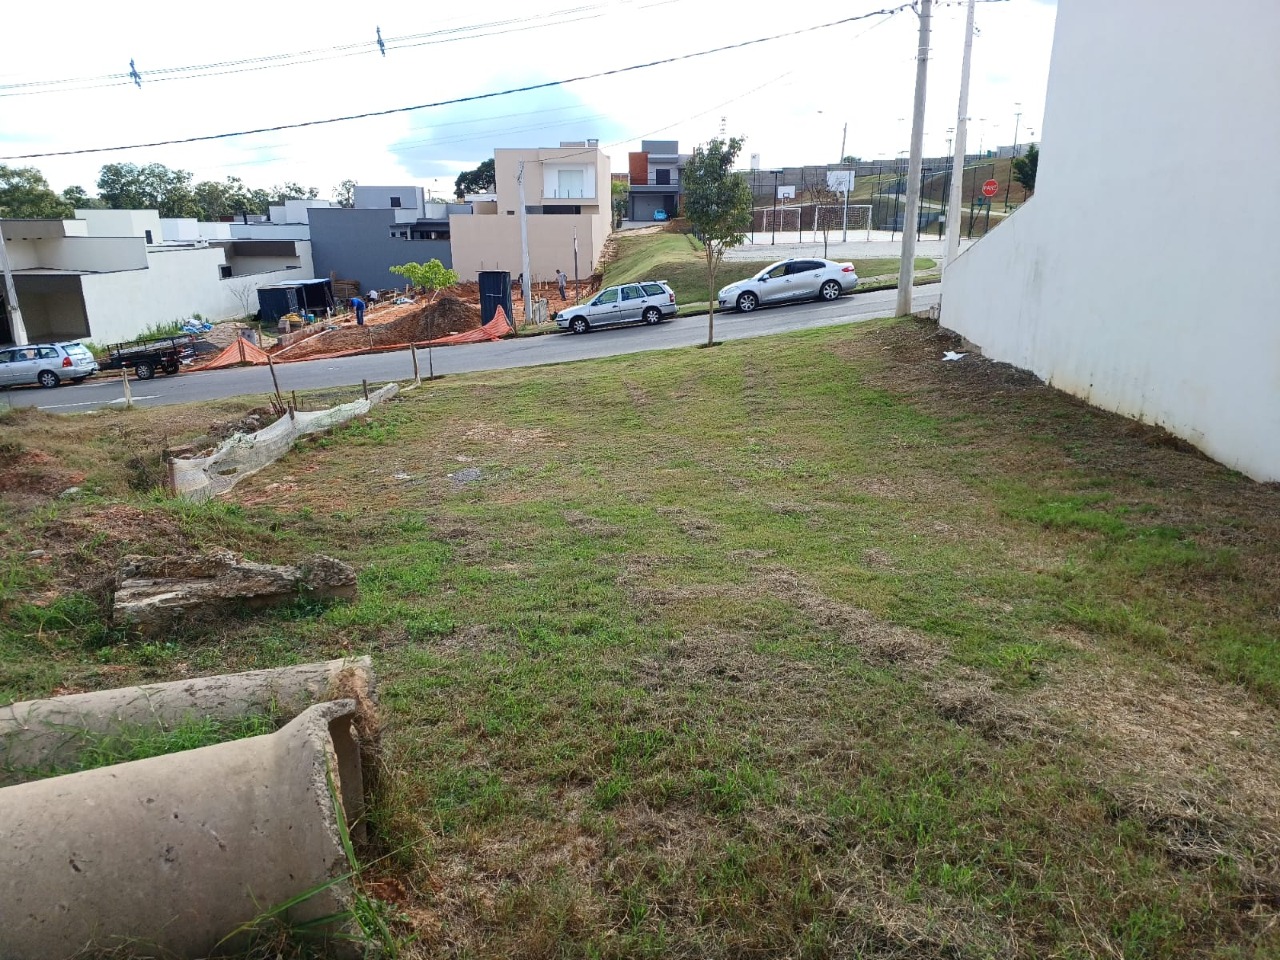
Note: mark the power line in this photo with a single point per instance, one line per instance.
(890, 11)
(299, 57)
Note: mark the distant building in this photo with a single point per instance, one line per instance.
(566, 193)
(654, 175)
(108, 275)
(388, 226)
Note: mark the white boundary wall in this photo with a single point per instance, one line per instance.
(1100, 284)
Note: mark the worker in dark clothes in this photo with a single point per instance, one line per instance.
(358, 306)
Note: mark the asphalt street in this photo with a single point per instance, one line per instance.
(470, 358)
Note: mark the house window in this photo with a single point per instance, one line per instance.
(224, 271)
(663, 177)
(148, 233)
(570, 183)
(395, 201)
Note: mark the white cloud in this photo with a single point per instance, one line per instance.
(790, 98)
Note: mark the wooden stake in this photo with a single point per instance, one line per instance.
(128, 393)
(364, 384)
(413, 352)
(276, 383)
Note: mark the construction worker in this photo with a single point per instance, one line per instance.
(561, 280)
(358, 306)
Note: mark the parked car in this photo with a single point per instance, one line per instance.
(790, 280)
(646, 301)
(47, 364)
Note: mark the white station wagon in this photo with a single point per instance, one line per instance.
(645, 301)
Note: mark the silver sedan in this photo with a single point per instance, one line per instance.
(789, 280)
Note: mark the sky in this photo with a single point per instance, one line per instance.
(274, 63)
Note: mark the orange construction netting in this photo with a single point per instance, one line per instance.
(242, 352)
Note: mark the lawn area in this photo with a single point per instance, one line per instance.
(803, 646)
(677, 258)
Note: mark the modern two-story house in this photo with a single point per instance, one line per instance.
(655, 180)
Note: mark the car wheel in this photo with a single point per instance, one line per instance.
(144, 369)
(748, 302)
(47, 378)
(652, 315)
(579, 325)
(830, 290)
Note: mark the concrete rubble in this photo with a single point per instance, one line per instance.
(156, 593)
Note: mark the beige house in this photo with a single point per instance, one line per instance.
(566, 189)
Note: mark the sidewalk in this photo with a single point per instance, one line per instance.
(791, 244)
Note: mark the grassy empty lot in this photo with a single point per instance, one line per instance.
(678, 259)
(805, 646)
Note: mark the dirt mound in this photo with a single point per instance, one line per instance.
(445, 316)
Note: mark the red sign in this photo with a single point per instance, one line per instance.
(990, 187)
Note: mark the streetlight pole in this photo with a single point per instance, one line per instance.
(952, 247)
(774, 238)
(906, 271)
(848, 177)
(1016, 118)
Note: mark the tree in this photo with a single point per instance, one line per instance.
(618, 192)
(717, 203)
(821, 195)
(432, 276)
(480, 180)
(1024, 168)
(292, 191)
(344, 194)
(127, 186)
(79, 199)
(217, 200)
(850, 160)
(25, 194)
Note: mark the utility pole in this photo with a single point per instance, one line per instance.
(848, 177)
(524, 248)
(954, 214)
(17, 329)
(906, 272)
(1017, 117)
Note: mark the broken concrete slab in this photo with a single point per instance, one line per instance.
(174, 853)
(156, 593)
(40, 735)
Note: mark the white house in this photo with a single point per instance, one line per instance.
(108, 275)
(1139, 276)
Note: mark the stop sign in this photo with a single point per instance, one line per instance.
(990, 187)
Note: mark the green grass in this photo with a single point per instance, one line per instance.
(677, 258)
(94, 750)
(802, 646)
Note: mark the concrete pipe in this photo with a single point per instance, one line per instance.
(41, 735)
(173, 853)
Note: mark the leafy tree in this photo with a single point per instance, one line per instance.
(618, 192)
(25, 193)
(432, 276)
(217, 200)
(480, 180)
(79, 199)
(1024, 168)
(345, 194)
(849, 160)
(717, 203)
(127, 186)
(292, 191)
